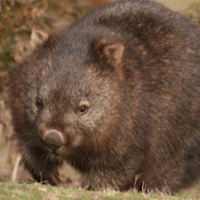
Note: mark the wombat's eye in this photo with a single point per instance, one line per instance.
(39, 103)
(83, 109)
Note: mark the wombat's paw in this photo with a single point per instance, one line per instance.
(53, 180)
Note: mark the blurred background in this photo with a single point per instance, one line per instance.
(17, 20)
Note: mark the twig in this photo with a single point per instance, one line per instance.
(16, 168)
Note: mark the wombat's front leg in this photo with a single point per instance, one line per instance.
(42, 165)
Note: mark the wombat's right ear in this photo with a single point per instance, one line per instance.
(109, 51)
(38, 37)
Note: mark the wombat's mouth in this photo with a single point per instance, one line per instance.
(62, 151)
(46, 147)
(55, 144)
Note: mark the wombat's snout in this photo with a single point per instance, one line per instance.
(54, 139)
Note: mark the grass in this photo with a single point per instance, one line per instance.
(13, 191)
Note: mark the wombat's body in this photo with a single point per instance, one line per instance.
(116, 95)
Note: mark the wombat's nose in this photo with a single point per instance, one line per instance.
(54, 139)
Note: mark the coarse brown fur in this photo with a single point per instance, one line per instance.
(122, 88)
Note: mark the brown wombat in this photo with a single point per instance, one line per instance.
(117, 96)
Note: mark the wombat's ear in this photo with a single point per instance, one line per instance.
(111, 52)
(38, 37)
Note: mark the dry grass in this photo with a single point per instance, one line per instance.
(36, 191)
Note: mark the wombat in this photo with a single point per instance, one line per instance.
(117, 96)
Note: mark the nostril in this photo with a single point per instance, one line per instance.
(54, 139)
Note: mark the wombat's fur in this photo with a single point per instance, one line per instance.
(116, 95)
